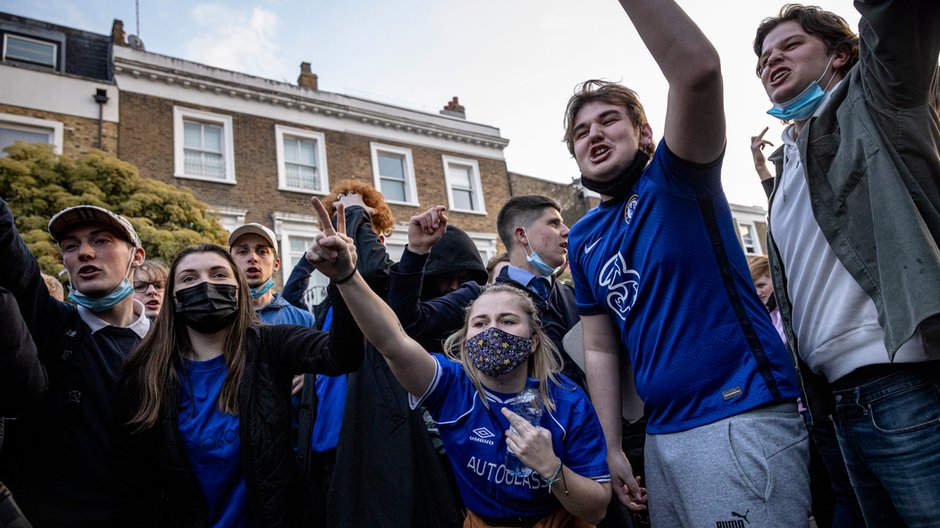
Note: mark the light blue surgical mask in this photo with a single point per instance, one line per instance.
(540, 265)
(263, 289)
(805, 104)
(110, 299)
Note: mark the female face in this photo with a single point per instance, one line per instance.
(149, 291)
(765, 288)
(498, 310)
(197, 268)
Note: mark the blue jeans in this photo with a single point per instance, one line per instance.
(889, 432)
(843, 505)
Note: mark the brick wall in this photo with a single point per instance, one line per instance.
(79, 134)
(146, 140)
(573, 206)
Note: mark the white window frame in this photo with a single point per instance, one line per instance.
(280, 131)
(181, 114)
(411, 192)
(230, 218)
(286, 226)
(55, 51)
(754, 242)
(55, 129)
(475, 183)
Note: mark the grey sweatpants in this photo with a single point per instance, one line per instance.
(747, 471)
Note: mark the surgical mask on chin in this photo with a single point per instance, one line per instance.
(207, 307)
(495, 352)
(108, 300)
(805, 104)
(263, 289)
(540, 265)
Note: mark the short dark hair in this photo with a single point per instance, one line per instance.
(827, 26)
(606, 92)
(521, 210)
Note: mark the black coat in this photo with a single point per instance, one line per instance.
(162, 489)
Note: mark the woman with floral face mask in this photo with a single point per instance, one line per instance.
(500, 349)
(206, 403)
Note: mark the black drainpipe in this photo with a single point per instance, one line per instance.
(101, 97)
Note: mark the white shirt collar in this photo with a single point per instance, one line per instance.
(95, 323)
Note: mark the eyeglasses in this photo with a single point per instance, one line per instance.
(142, 287)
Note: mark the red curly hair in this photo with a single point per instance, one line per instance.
(382, 219)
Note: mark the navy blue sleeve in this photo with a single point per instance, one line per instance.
(45, 316)
(23, 379)
(297, 283)
(433, 318)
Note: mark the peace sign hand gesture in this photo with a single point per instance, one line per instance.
(333, 253)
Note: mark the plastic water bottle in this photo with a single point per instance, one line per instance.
(528, 404)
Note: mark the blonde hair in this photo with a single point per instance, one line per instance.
(544, 363)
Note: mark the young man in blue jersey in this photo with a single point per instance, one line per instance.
(855, 238)
(661, 279)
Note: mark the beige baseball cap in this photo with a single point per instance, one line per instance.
(85, 214)
(253, 229)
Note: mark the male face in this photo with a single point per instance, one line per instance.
(605, 140)
(548, 236)
(791, 59)
(97, 258)
(255, 258)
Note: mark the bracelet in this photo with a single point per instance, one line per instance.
(555, 476)
(346, 278)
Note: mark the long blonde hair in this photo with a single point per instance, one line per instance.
(151, 367)
(544, 363)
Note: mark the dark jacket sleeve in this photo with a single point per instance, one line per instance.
(338, 351)
(768, 186)
(23, 379)
(44, 316)
(374, 262)
(297, 283)
(431, 319)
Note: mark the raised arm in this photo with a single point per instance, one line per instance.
(695, 115)
(334, 255)
(602, 352)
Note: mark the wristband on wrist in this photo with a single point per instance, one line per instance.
(556, 476)
(346, 278)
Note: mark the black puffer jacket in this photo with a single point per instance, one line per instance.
(162, 489)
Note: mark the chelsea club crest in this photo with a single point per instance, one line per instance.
(630, 209)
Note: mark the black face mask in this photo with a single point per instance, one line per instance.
(206, 307)
(619, 187)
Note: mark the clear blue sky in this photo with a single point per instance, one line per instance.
(513, 63)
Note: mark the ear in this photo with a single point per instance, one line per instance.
(139, 256)
(646, 135)
(841, 58)
(520, 236)
(277, 263)
(382, 239)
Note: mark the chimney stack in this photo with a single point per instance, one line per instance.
(117, 33)
(453, 108)
(307, 78)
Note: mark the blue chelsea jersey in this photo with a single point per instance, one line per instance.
(666, 266)
(474, 437)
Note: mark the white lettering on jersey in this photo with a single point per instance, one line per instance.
(622, 285)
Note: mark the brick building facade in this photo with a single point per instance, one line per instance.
(57, 87)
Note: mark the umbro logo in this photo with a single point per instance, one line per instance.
(482, 435)
(483, 432)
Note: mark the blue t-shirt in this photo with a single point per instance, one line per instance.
(666, 266)
(211, 442)
(474, 437)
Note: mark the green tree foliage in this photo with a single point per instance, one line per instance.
(38, 183)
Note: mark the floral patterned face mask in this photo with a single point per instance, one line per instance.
(495, 352)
